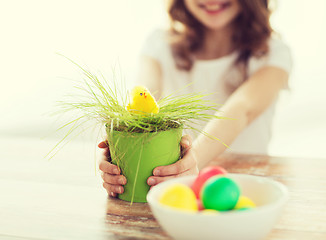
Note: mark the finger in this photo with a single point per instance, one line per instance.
(114, 179)
(153, 180)
(185, 144)
(186, 141)
(117, 189)
(112, 194)
(184, 164)
(110, 168)
(103, 144)
(106, 154)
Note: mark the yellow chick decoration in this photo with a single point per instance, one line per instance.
(142, 101)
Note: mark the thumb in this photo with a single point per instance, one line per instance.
(185, 144)
(103, 144)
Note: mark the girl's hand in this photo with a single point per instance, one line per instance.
(111, 174)
(114, 181)
(187, 165)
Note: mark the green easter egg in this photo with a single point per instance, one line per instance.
(242, 209)
(220, 193)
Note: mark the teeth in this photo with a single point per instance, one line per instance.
(213, 7)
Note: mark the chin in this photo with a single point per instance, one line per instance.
(216, 26)
(221, 24)
(215, 14)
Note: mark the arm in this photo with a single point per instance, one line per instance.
(253, 97)
(244, 105)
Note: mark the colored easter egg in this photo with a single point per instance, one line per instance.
(209, 212)
(204, 175)
(244, 203)
(200, 204)
(242, 209)
(179, 196)
(220, 193)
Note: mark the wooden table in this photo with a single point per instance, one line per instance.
(63, 198)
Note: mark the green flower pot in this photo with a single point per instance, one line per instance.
(137, 154)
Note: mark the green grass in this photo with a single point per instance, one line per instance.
(105, 101)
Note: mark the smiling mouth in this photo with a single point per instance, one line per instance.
(214, 7)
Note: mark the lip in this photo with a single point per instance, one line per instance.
(214, 7)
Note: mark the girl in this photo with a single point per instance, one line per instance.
(223, 46)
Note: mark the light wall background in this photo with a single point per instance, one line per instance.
(105, 33)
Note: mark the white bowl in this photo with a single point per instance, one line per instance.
(269, 196)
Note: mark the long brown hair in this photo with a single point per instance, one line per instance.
(252, 30)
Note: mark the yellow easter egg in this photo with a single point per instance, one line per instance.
(209, 212)
(179, 196)
(244, 202)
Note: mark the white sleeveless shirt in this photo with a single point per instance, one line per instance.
(209, 76)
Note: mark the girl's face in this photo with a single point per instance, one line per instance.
(213, 14)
